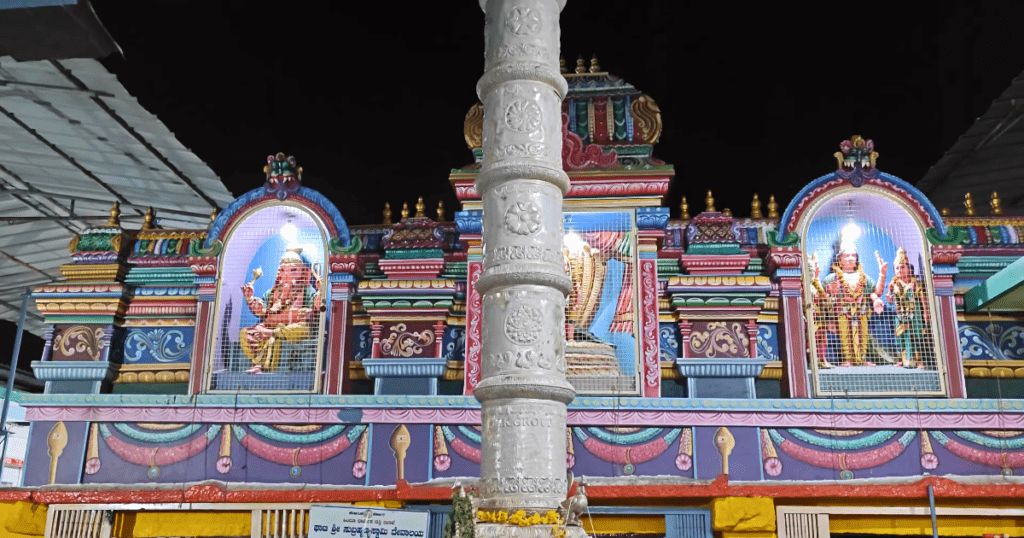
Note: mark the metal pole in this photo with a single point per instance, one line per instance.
(10, 378)
(931, 505)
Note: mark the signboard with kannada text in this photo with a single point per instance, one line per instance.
(365, 522)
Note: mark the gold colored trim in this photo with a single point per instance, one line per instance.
(1002, 369)
(107, 272)
(153, 373)
(772, 370)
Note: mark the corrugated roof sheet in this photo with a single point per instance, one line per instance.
(988, 157)
(70, 132)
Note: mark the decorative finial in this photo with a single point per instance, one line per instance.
(709, 203)
(405, 210)
(594, 67)
(580, 68)
(213, 215)
(727, 212)
(856, 160)
(115, 214)
(969, 204)
(773, 207)
(684, 210)
(440, 211)
(387, 213)
(561, 65)
(147, 224)
(283, 176)
(996, 204)
(421, 208)
(755, 207)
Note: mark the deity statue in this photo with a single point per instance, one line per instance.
(599, 313)
(286, 311)
(911, 310)
(843, 298)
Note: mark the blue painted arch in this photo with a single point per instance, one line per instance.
(913, 192)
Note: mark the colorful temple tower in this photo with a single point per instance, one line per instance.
(842, 365)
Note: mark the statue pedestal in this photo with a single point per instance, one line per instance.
(720, 378)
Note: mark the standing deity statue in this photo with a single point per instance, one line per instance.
(286, 311)
(848, 296)
(907, 296)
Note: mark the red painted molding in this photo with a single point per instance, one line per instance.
(403, 491)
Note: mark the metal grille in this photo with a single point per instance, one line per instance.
(271, 303)
(601, 311)
(280, 523)
(77, 523)
(802, 525)
(870, 322)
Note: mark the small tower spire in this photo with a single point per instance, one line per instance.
(115, 215)
(580, 68)
(709, 202)
(594, 66)
(969, 205)
(773, 207)
(684, 210)
(755, 207)
(561, 65)
(421, 208)
(995, 204)
(387, 213)
(147, 224)
(440, 211)
(405, 210)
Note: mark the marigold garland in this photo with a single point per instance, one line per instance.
(519, 518)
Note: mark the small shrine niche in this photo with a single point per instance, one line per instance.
(272, 287)
(601, 345)
(271, 294)
(871, 323)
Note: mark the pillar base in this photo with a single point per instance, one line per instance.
(505, 530)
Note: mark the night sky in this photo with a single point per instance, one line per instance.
(370, 98)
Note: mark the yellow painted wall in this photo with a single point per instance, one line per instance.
(917, 525)
(616, 524)
(22, 519)
(173, 523)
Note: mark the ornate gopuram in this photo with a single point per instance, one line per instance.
(557, 356)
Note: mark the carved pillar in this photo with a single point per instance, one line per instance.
(685, 329)
(784, 266)
(944, 260)
(375, 331)
(752, 333)
(523, 390)
(438, 339)
(338, 334)
(205, 270)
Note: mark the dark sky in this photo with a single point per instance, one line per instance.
(370, 96)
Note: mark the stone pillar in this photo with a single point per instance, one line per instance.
(523, 390)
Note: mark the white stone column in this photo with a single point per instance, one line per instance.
(523, 390)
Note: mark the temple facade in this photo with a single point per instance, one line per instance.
(838, 363)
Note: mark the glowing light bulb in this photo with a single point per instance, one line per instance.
(290, 233)
(573, 242)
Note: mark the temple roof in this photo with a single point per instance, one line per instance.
(74, 142)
